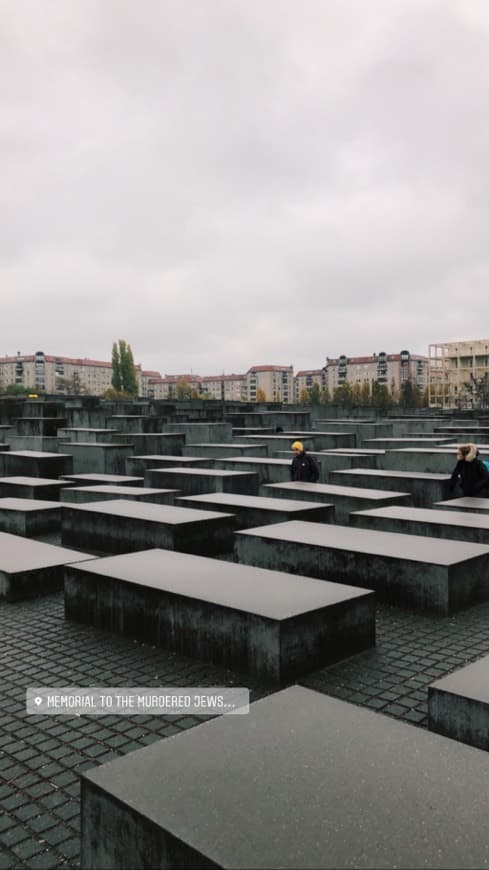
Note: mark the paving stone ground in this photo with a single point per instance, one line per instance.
(41, 756)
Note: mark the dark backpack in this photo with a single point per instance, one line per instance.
(314, 469)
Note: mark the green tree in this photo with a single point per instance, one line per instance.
(314, 394)
(381, 397)
(18, 390)
(365, 394)
(410, 395)
(116, 368)
(342, 395)
(356, 395)
(324, 398)
(304, 397)
(124, 377)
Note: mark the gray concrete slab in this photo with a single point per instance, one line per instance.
(407, 570)
(330, 460)
(458, 705)
(84, 494)
(104, 458)
(420, 441)
(193, 481)
(267, 469)
(325, 784)
(222, 450)
(203, 433)
(121, 526)
(85, 434)
(29, 517)
(138, 464)
(266, 623)
(324, 440)
(31, 568)
(425, 488)
(344, 498)
(100, 479)
(31, 487)
(250, 510)
(452, 525)
(35, 463)
(421, 460)
(474, 505)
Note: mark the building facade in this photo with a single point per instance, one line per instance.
(391, 369)
(306, 379)
(269, 384)
(459, 374)
(45, 373)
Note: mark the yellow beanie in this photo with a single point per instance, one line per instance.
(298, 445)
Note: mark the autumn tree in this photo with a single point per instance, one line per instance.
(260, 395)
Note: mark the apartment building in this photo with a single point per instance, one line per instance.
(306, 379)
(269, 384)
(391, 369)
(63, 375)
(459, 374)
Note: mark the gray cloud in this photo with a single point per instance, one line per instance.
(229, 182)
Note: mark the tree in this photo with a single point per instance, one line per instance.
(304, 397)
(313, 394)
(356, 395)
(342, 395)
(116, 368)
(365, 394)
(184, 390)
(123, 369)
(381, 398)
(324, 398)
(410, 395)
(18, 390)
(260, 395)
(478, 389)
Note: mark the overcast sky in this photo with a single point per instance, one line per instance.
(225, 183)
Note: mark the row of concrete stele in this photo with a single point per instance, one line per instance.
(224, 559)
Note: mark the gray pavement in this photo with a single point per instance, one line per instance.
(41, 756)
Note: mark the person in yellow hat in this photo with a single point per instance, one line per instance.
(304, 467)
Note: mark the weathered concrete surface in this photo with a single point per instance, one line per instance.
(192, 481)
(100, 479)
(35, 463)
(250, 511)
(458, 705)
(440, 460)
(330, 460)
(407, 570)
(204, 433)
(344, 498)
(473, 505)
(29, 517)
(261, 622)
(453, 525)
(102, 458)
(424, 488)
(324, 440)
(31, 568)
(127, 526)
(85, 434)
(266, 469)
(211, 451)
(139, 464)
(32, 487)
(84, 494)
(325, 784)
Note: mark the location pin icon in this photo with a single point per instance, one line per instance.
(38, 701)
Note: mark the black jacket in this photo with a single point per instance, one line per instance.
(304, 468)
(474, 477)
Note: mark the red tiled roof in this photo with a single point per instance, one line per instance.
(270, 369)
